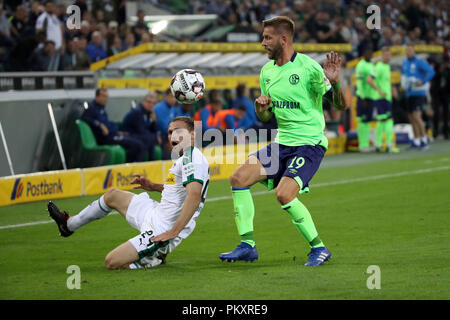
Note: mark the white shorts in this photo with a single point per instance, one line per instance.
(139, 215)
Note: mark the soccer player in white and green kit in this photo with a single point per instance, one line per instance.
(380, 81)
(292, 87)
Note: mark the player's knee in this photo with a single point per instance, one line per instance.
(237, 181)
(284, 197)
(110, 195)
(110, 262)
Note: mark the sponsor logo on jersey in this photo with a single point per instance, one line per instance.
(170, 179)
(286, 104)
(34, 190)
(294, 78)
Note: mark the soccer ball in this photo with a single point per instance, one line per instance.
(187, 86)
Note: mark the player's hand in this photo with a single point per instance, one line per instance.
(104, 129)
(262, 103)
(165, 236)
(382, 94)
(418, 83)
(143, 183)
(332, 67)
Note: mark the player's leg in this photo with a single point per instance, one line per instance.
(363, 109)
(249, 173)
(422, 133)
(380, 126)
(121, 257)
(286, 193)
(301, 167)
(112, 199)
(140, 252)
(389, 129)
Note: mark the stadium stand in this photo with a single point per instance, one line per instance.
(147, 41)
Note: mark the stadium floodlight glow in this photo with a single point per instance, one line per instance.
(159, 26)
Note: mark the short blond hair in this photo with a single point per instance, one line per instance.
(280, 23)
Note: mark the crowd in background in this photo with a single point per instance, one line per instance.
(34, 35)
(339, 21)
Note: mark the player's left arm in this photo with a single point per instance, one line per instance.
(331, 69)
(193, 199)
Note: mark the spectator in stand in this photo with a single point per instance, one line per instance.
(36, 9)
(69, 57)
(46, 58)
(83, 61)
(95, 49)
(130, 41)
(141, 19)
(141, 123)
(19, 22)
(106, 131)
(109, 8)
(115, 48)
(85, 30)
(242, 99)
(5, 25)
(49, 24)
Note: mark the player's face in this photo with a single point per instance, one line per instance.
(272, 43)
(386, 56)
(179, 136)
(170, 99)
(149, 102)
(102, 98)
(240, 114)
(409, 50)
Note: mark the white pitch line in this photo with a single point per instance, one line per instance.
(258, 193)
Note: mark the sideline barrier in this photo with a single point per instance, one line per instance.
(40, 186)
(50, 185)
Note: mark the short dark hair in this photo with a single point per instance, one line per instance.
(241, 107)
(188, 121)
(99, 90)
(240, 89)
(168, 91)
(281, 23)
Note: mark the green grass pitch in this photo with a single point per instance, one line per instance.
(391, 211)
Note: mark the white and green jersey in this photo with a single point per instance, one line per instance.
(192, 166)
(296, 89)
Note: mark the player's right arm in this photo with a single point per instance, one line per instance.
(262, 108)
(262, 103)
(372, 83)
(146, 184)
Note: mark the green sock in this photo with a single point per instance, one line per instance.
(389, 130)
(302, 220)
(379, 132)
(244, 211)
(363, 134)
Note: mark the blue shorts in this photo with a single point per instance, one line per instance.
(364, 113)
(384, 109)
(416, 103)
(299, 163)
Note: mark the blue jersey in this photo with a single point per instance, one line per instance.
(164, 114)
(414, 70)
